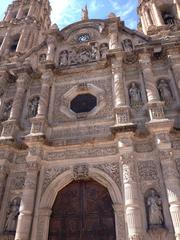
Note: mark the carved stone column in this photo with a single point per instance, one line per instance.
(9, 14)
(157, 14)
(3, 176)
(155, 106)
(22, 80)
(122, 111)
(113, 35)
(28, 199)
(169, 170)
(174, 61)
(120, 221)
(178, 8)
(22, 44)
(147, 17)
(51, 42)
(5, 43)
(10, 127)
(40, 121)
(20, 12)
(131, 191)
(31, 9)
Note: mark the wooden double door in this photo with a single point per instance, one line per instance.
(82, 211)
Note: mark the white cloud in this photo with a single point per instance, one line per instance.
(65, 12)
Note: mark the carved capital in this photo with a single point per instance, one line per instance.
(23, 80)
(32, 166)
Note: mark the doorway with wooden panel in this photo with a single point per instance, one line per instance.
(82, 211)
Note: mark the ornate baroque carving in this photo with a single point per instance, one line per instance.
(81, 172)
(51, 173)
(112, 169)
(18, 180)
(148, 170)
(82, 153)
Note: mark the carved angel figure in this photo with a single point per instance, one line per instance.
(11, 221)
(154, 209)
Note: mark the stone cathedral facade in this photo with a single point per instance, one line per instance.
(90, 125)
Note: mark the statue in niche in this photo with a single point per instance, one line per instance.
(42, 58)
(168, 19)
(72, 57)
(128, 46)
(11, 221)
(154, 210)
(104, 50)
(33, 107)
(85, 14)
(84, 55)
(135, 95)
(95, 52)
(63, 59)
(165, 92)
(7, 109)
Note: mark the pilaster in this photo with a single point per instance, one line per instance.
(39, 123)
(29, 193)
(11, 126)
(169, 170)
(130, 184)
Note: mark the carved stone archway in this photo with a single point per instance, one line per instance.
(63, 180)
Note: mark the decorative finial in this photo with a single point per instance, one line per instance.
(85, 13)
(112, 15)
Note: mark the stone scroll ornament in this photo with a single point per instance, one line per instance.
(12, 216)
(154, 210)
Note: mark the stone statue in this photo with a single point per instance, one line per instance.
(168, 19)
(11, 221)
(165, 92)
(33, 107)
(95, 52)
(154, 210)
(72, 58)
(135, 95)
(84, 55)
(85, 13)
(104, 50)
(128, 46)
(7, 109)
(42, 58)
(63, 59)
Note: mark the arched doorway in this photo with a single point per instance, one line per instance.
(82, 211)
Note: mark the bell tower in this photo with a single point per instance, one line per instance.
(157, 16)
(23, 25)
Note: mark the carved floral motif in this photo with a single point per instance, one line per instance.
(81, 172)
(18, 180)
(112, 169)
(148, 170)
(51, 173)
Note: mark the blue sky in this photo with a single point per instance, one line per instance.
(65, 12)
